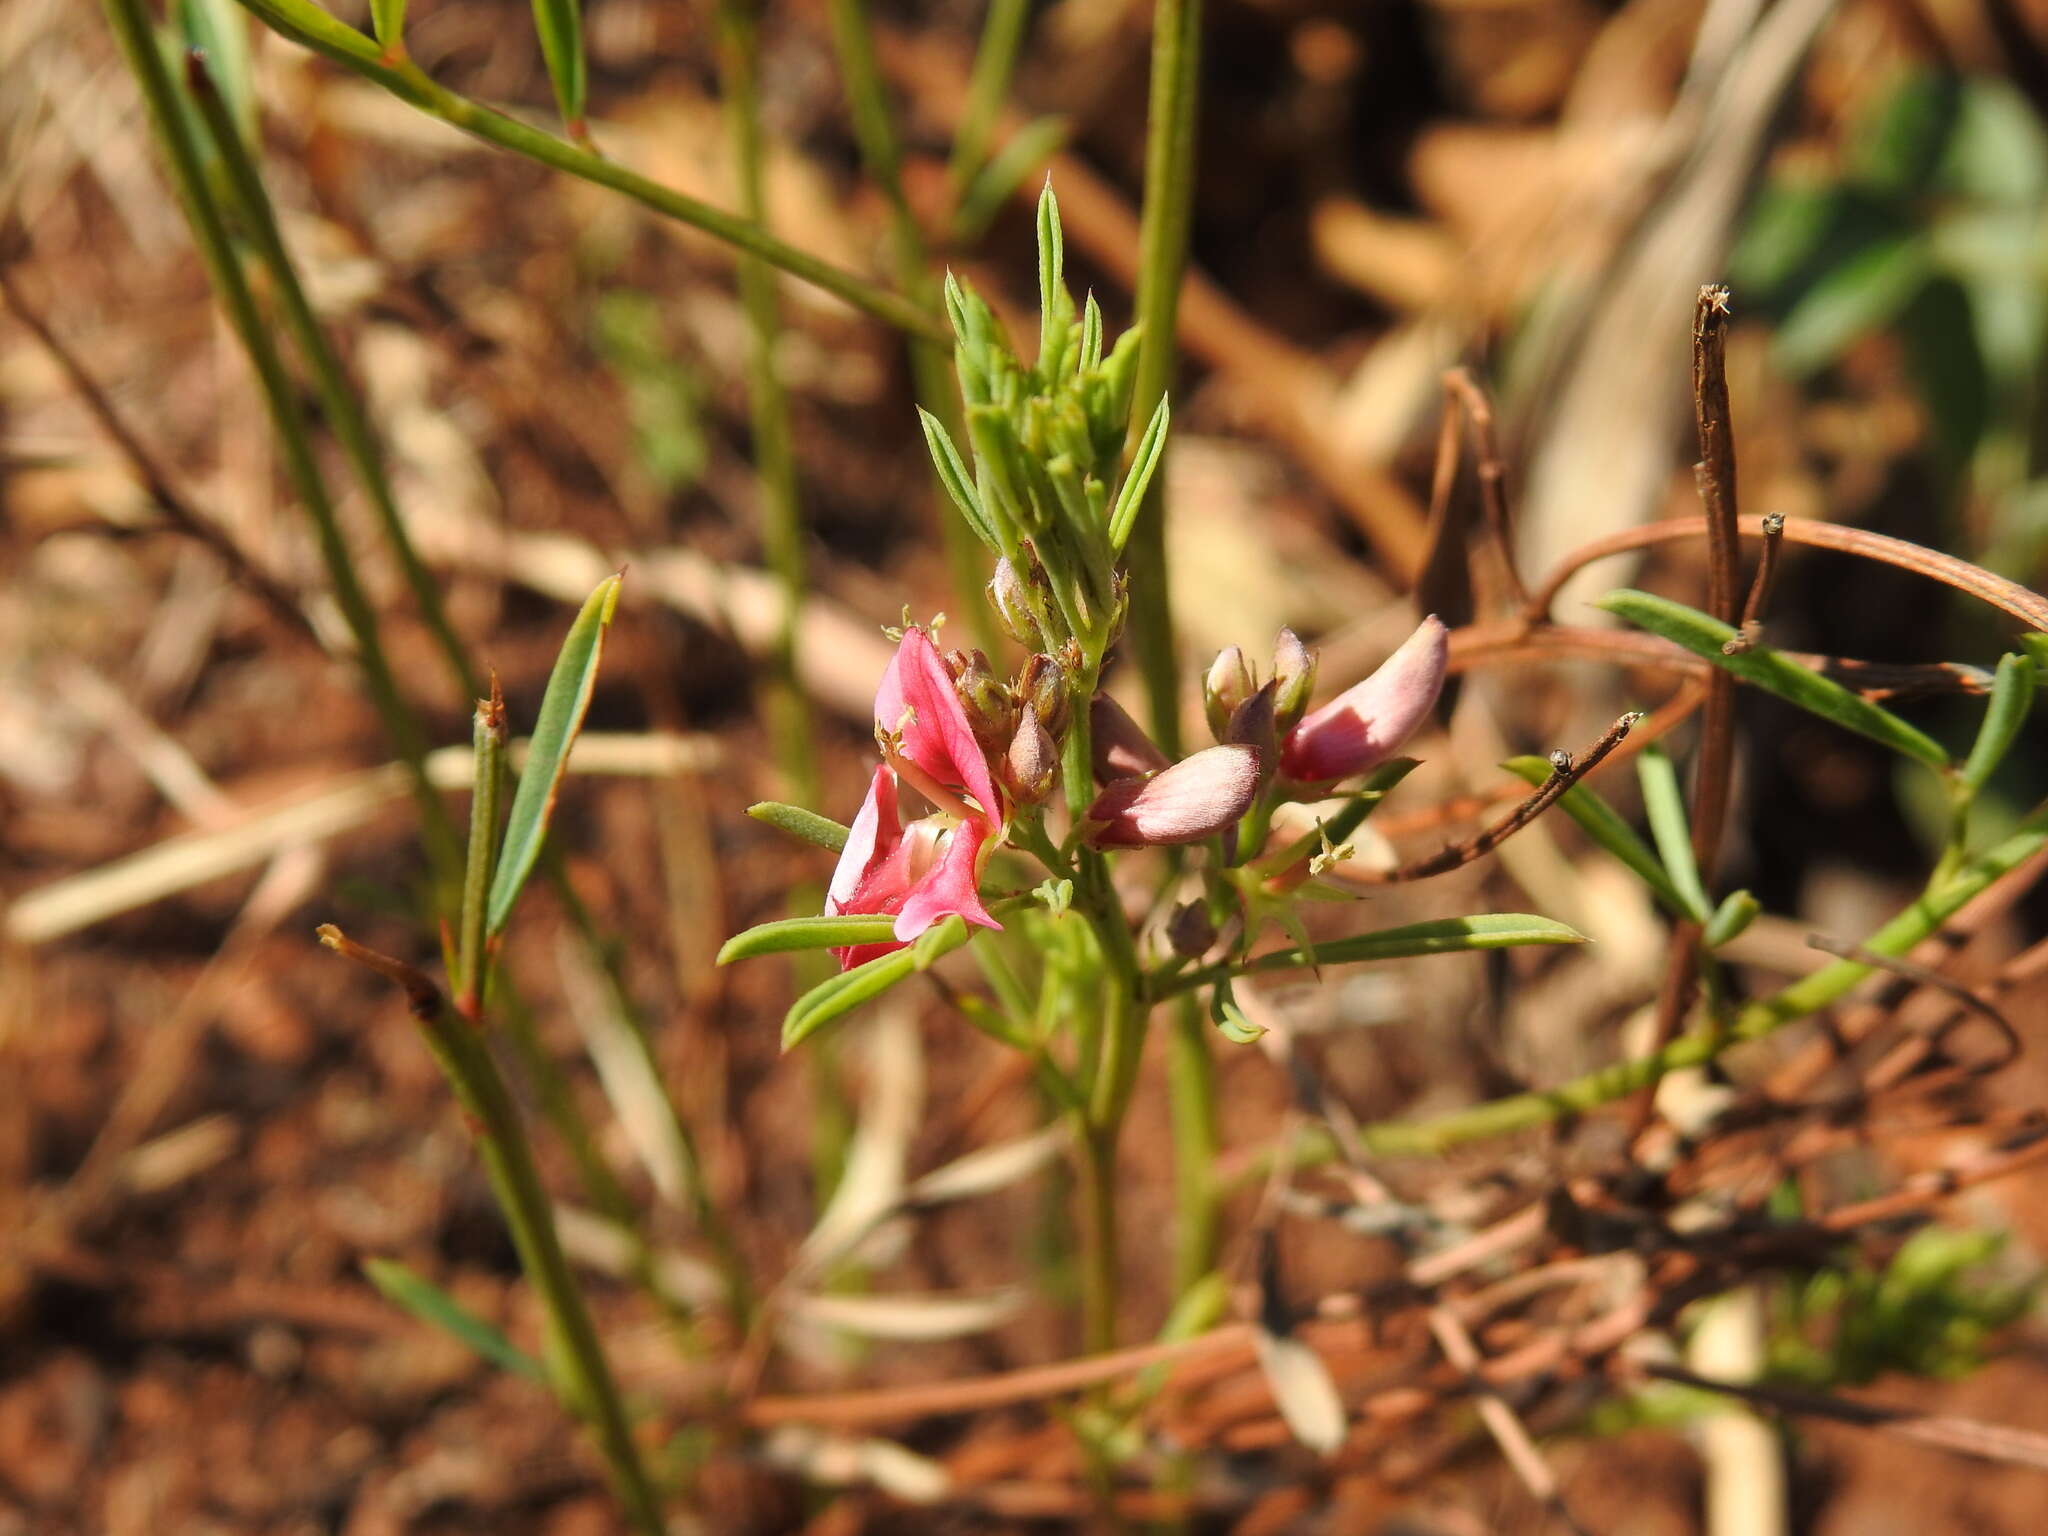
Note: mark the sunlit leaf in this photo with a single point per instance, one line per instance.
(1607, 827)
(841, 994)
(1737, 911)
(1440, 936)
(1302, 1390)
(1764, 668)
(2012, 695)
(924, 1318)
(1670, 829)
(562, 709)
(560, 25)
(793, 933)
(798, 822)
(432, 1305)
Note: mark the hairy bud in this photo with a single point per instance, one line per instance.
(1294, 679)
(1227, 684)
(990, 710)
(1366, 724)
(1197, 797)
(1011, 600)
(1043, 686)
(1031, 760)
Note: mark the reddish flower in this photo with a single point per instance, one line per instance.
(1365, 725)
(1195, 798)
(930, 868)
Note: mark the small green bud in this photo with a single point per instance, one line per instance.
(1011, 599)
(1294, 677)
(1227, 684)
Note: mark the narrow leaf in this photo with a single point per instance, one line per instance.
(387, 21)
(1124, 515)
(1764, 668)
(1440, 936)
(1302, 1390)
(793, 933)
(1054, 306)
(953, 476)
(1607, 827)
(562, 709)
(431, 1305)
(1737, 911)
(1664, 804)
(1023, 153)
(798, 822)
(989, 1169)
(841, 994)
(560, 24)
(2012, 695)
(219, 30)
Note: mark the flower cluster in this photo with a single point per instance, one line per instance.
(980, 751)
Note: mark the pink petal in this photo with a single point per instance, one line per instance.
(1366, 724)
(874, 834)
(1118, 744)
(917, 698)
(953, 885)
(1195, 798)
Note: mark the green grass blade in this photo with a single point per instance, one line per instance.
(560, 25)
(1123, 517)
(792, 933)
(412, 1292)
(839, 996)
(306, 23)
(1664, 804)
(1440, 936)
(1605, 826)
(1764, 668)
(2012, 695)
(562, 709)
(798, 822)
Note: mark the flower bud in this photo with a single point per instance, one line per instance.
(1196, 798)
(1294, 677)
(1011, 600)
(1191, 930)
(1043, 687)
(1031, 761)
(990, 710)
(1120, 746)
(1252, 724)
(1365, 725)
(1227, 684)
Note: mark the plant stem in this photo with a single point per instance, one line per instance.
(930, 372)
(173, 131)
(471, 957)
(1099, 1247)
(575, 1357)
(1162, 259)
(995, 60)
(308, 24)
(338, 398)
(1942, 898)
(1191, 1092)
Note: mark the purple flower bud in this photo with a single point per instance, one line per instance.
(1196, 798)
(1365, 725)
(1227, 684)
(1031, 761)
(1294, 679)
(1043, 686)
(1191, 931)
(1120, 746)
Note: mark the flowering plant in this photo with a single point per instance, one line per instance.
(961, 832)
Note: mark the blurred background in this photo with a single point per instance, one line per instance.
(206, 1124)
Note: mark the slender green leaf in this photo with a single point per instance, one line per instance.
(402, 1287)
(387, 21)
(1764, 668)
(793, 933)
(1737, 911)
(953, 476)
(1664, 804)
(1440, 936)
(840, 995)
(1124, 515)
(220, 31)
(560, 24)
(562, 709)
(1055, 308)
(798, 822)
(2012, 695)
(1607, 827)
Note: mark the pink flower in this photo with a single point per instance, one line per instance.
(1195, 798)
(1365, 725)
(928, 869)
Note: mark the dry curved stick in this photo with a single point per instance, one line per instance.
(2027, 606)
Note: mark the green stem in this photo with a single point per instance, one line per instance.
(308, 24)
(1525, 1111)
(471, 959)
(931, 373)
(1162, 259)
(575, 1357)
(173, 130)
(338, 398)
(1191, 1085)
(995, 61)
